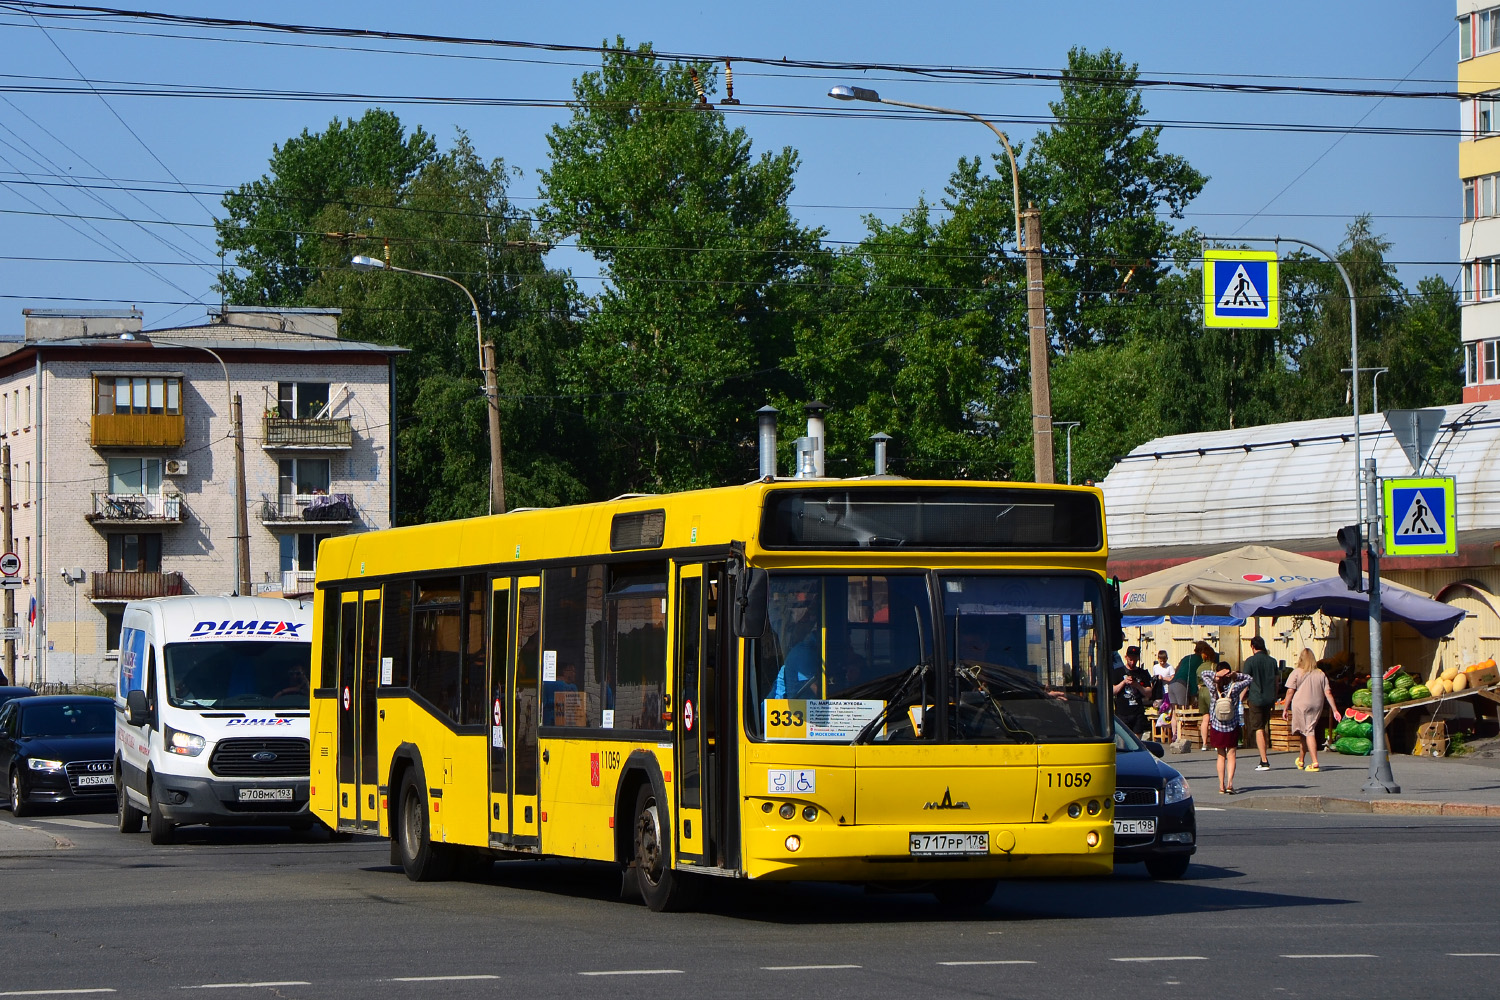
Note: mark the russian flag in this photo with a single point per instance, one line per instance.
(31, 613)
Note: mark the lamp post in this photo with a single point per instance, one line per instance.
(486, 366)
(237, 432)
(1375, 386)
(1069, 424)
(1029, 242)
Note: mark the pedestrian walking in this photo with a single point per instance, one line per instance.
(1306, 693)
(1260, 699)
(1225, 717)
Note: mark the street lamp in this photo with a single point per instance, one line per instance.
(1069, 424)
(1029, 242)
(491, 387)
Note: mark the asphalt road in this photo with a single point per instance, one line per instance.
(1278, 904)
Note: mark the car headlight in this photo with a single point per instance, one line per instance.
(38, 764)
(179, 742)
(1178, 790)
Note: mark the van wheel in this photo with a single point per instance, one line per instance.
(127, 817)
(421, 859)
(660, 886)
(19, 807)
(157, 825)
(965, 893)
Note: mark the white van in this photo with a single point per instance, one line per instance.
(211, 713)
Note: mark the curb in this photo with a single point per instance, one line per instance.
(1384, 807)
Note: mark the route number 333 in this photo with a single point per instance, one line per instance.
(786, 718)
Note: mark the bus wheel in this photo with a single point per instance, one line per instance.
(127, 817)
(421, 859)
(965, 893)
(659, 885)
(157, 825)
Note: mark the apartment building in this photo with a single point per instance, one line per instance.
(124, 473)
(1479, 174)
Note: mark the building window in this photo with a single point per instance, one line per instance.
(113, 620)
(299, 551)
(1468, 200)
(27, 415)
(135, 553)
(1465, 38)
(1491, 349)
(1487, 39)
(1466, 281)
(135, 475)
(1470, 363)
(138, 394)
(303, 476)
(301, 400)
(26, 484)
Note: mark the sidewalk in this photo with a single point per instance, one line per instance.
(1429, 786)
(17, 838)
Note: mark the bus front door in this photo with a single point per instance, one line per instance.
(348, 728)
(358, 678)
(502, 655)
(525, 818)
(700, 762)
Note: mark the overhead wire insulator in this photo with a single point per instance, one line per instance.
(698, 89)
(728, 84)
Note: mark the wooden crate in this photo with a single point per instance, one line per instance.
(1282, 737)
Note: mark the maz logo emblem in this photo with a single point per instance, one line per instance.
(947, 802)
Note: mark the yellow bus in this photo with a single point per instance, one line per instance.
(878, 680)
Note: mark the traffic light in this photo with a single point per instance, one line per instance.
(1351, 567)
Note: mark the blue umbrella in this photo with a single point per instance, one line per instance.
(1433, 619)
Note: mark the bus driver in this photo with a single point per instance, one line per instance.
(799, 636)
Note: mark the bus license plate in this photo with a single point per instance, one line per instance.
(265, 795)
(1128, 827)
(936, 845)
(95, 779)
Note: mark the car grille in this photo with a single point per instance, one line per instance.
(1136, 796)
(236, 758)
(78, 768)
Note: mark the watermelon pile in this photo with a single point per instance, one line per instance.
(1395, 688)
(1359, 746)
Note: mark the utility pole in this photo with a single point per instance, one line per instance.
(241, 518)
(492, 396)
(10, 545)
(1041, 384)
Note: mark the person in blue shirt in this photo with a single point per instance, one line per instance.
(801, 670)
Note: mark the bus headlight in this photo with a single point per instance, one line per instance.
(788, 810)
(179, 742)
(1177, 790)
(794, 843)
(1074, 810)
(38, 764)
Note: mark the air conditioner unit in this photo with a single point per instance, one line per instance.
(174, 467)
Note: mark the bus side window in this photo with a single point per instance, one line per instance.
(329, 657)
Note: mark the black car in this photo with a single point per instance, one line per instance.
(57, 749)
(12, 691)
(1154, 819)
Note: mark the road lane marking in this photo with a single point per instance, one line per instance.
(247, 986)
(634, 972)
(1474, 954)
(1210, 809)
(1163, 958)
(52, 993)
(86, 824)
(804, 968)
(994, 961)
(436, 979)
(1354, 955)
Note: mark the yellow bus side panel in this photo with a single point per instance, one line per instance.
(579, 811)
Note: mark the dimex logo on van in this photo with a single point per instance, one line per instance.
(259, 722)
(267, 629)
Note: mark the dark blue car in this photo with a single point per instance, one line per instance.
(1154, 820)
(57, 749)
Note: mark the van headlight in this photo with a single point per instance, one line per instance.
(179, 742)
(1178, 790)
(38, 764)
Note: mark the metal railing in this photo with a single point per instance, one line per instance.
(137, 507)
(290, 432)
(125, 585)
(333, 508)
(296, 581)
(137, 430)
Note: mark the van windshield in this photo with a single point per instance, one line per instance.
(238, 674)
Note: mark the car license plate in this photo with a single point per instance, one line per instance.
(265, 795)
(95, 779)
(938, 845)
(1134, 827)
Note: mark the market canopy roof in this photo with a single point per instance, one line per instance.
(1213, 583)
(1434, 619)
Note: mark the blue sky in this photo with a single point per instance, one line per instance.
(1288, 182)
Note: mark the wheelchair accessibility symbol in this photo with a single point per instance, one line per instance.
(779, 781)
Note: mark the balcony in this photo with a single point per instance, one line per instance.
(130, 509)
(290, 434)
(137, 430)
(119, 586)
(303, 508)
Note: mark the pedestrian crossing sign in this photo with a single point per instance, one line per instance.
(1241, 288)
(1421, 517)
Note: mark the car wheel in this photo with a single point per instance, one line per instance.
(421, 859)
(1172, 866)
(965, 893)
(157, 825)
(19, 807)
(662, 888)
(127, 817)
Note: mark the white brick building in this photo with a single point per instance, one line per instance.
(123, 464)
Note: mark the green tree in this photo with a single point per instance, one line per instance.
(269, 224)
(700, 256)
(1423, 351)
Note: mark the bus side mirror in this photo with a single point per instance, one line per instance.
(750, 606)
(137, 713)
(1114, 632)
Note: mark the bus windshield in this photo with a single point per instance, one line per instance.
(253, 675)
(856, 658)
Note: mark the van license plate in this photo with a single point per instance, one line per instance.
(95, 779)
(1128, 827)
(265, 795)
(937, 845)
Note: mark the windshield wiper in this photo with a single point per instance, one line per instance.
(920, 670)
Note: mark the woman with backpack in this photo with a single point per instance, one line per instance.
(1225, 717)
